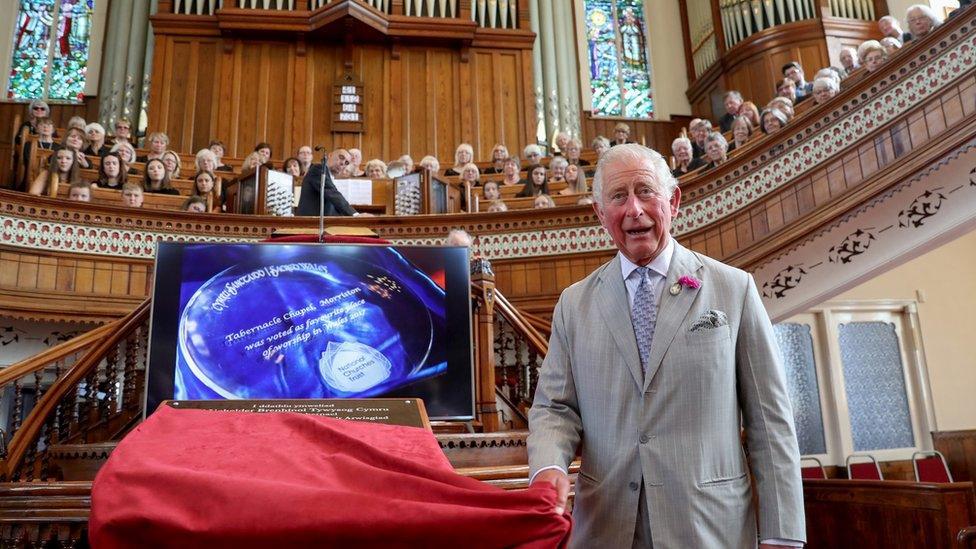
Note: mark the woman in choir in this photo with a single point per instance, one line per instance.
(77, 122)
(773, 120)
(156, 179)
(264, 149)
(431, 164)
(470, 175)
(355, 161)
(157, 141)
(408, 165)
(750, 111)
(891, 45)
(62, 169)
(543, 201)
(35, 111)
(621, 134)
(849, 60)
(600, 145)
(498, 155)
(195, 204)
(872, 55)
(921, 20)
(716, 150)
(217, 147)
(45, 141)
(557, 169)
(533, 154)
(123, 130)
(205, 186)
(205, 161)
(96, 140)
(251, 162)
(294, 167)
(111, 172)
(741, 132)
(305, 158)
(824, 89)
(173, 164)
(375, 169)
(576, 181)
(462, 155)
(75, 140)
(127, 154)
(511, 170)
(784, 105)
(684, 157)
(572, 153)
(132, 195)
(537, 183)
(490, 191)
(498, 206)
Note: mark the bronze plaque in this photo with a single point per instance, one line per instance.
(409, 412)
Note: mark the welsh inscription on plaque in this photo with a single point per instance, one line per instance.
(409, 412)
(347, 105)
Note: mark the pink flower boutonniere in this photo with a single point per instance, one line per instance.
(687, 282)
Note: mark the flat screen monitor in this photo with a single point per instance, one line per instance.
(286, 321)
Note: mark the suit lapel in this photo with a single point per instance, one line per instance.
(615, 309)
(672, 309)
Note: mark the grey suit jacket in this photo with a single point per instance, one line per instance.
(677, 427)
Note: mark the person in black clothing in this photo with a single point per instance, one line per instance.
(573, 149)
(35, 111)
(110, 172)
(157, 141)
(684, 159)
(537, 183)
(498, 155)
(621, 134)
(733, 100)
(313, 188)
(96, 140)
(156, 179)
(45, 141)
(698, 130)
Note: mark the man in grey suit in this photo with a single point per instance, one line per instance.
(654, 359)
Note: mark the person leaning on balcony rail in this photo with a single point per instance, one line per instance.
(891, 45)
(773, 120)
(62, 169)
(716, 150)
(157, 142)
(889, 26)
(111, 172)
(750, 111)
(872, 55)
(849, 60)
(921, 20)
(741, 132)
(824, 89)
(733, 102)
(698, 130)
(684, 158)
(462, 155)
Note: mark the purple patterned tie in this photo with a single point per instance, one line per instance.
(644, 314)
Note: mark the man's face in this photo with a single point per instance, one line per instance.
(132, 198)
(339, 161)
(795, 74)
(732, 105)
(635, 211)
(787, 89)
(305, 154)
(80, 194)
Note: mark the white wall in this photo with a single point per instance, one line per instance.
(899, 7)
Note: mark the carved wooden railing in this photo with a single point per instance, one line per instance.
(87, 398)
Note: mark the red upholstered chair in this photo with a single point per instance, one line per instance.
(813, 469)
(863, 467)
(931, 466)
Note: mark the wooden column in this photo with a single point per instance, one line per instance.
(484, 338)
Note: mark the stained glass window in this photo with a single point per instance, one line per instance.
(50, 50)
(620, 75)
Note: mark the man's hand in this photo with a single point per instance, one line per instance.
(560, 480)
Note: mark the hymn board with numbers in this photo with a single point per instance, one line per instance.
(347, 101)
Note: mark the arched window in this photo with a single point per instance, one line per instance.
(51, 43)
(620, 77)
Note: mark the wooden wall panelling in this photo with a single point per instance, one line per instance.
(656, 134)
(959, 449)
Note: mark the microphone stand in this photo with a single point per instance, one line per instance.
(325, 167)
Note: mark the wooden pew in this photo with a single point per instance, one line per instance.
(528, 202)
(111, 197)
(959, 449)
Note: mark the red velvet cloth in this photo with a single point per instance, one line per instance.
(196, 478)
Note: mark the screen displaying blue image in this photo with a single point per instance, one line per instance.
(285, 321)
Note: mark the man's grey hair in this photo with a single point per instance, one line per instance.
(733, 93)
(680, 141)
(635, 153)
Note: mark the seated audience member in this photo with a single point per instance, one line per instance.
(77, 122)
(80, 192)
(45, 141)
(62, 169)
(408, 164)
(784, 105)
(698, 130)
(112, 173)
(557, 169)
(733, 102)
(264, 149)
(833, 73)
(716, 150)
(36, 110)
(305, 158)
(292, 166)
(462, 155)
(621, 134)
(498, 206)
(891, 45)
(127, 154)
(132, 195)
(459, 237)
(794, 72)
(750, 111)
(156, 178)
(355, 161)
(773, 120)
(206, 160)
(921, 20)
(741, 132)
(122, 130)
(431, 164)
(470, 175)
(173, 164)
(889, 26)
(600, 145)
(217, 147)
(196, 204)
(849, 60)
(560, 141)
(533, 154)
(872, 55)
(536, 183)
(787, 88)
(75, 141)
(490, 191)
(205, 187)
(157, 142)
(498, 155)
(511, 169)
(572, 153)
(251, 162)
(575, 181)
(96, 140)
(543, 201)
(375, 169)
(684, 157)
(824, 89)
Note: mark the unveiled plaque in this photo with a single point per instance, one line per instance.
(389, 411)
